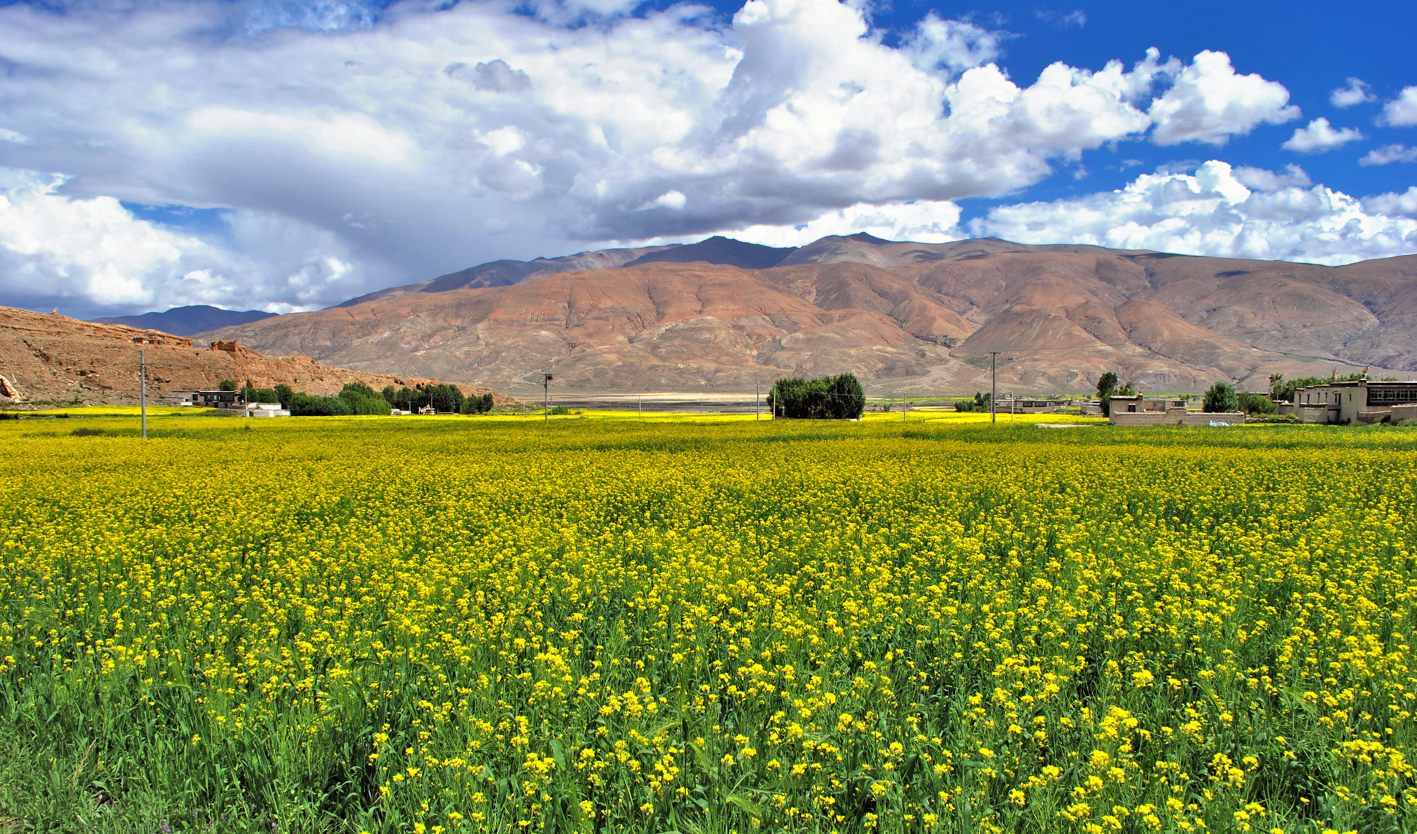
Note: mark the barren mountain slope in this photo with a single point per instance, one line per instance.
(922, 317)
(657, 325)
(54, 359)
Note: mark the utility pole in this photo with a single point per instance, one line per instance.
(757, 397)
(993, 386)
(143, 389)
(546, 397)
(905, 409)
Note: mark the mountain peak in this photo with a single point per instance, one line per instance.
(719, 250)
(188, 321)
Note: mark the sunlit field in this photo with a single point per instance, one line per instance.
(705, 625)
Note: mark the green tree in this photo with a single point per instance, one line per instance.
(444, 398)
(390, 394)
(1106, 386)
(847, 396)
(835, 397)
(226, 385)
(1221, 398)
(284, 393)
(1276, 387)
(362, 399)
(408, 399)
(477, 405)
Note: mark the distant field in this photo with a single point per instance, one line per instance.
(705, 624)
(120, 411)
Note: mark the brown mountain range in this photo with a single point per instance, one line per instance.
(52, 359)
(904, 316)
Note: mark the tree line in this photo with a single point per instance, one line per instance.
(839, 397)
(358, 398)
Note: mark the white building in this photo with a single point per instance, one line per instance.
(266, 410)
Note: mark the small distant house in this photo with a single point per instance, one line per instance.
(1138, 410)
(1044, 405)
(218, 399)
(1354, 401)
(427, 409)
(181, 398)
(266, 410)
(1139, 404)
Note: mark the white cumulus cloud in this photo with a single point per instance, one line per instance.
(954, 44)
(1388, 154)
(1319, 136)
(1263, 179)
(1401, 111)
(1356, 91)
(1211, 212)
(1209, 103)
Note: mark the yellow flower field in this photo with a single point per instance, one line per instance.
(604, 625)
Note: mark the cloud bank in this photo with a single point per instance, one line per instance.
(348, 151)
(1222, 211)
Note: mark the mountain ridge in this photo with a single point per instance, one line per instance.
(905, 316)
(189, 320)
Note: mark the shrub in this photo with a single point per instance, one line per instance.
(980, 402)
(1256, 405)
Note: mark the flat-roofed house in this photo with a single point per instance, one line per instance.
(266, 410)
(1140, 404)
(208, 399)
(219, 399)
(1356, 401)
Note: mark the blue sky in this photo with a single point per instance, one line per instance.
(287, 156)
